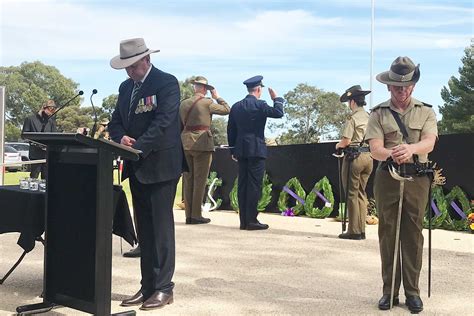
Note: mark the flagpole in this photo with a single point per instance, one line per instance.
(372, 53)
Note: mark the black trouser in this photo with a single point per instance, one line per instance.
(251, 172)
(38, 168)
(153, 206)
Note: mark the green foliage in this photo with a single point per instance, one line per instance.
(12, 132)
(233, 196)
(294, 185)
(73, 117)
(218, 183)
(453, 223)
(262, 202)
(108, 106)
(324, 186)
(441, 204)
(219, 131)
(186, 88)
(458, 109)
(29, 85)
(310, 113)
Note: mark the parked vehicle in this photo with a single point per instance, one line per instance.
(22, 148)
(11, 155)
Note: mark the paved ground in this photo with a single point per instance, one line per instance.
(298, 267)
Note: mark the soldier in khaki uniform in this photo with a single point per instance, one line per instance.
(196, 117)
(388, 147)
(358, 156)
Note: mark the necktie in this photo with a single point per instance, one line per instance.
(136, 89)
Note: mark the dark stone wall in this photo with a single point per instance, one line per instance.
(310, 162)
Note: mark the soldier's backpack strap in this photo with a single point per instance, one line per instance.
(190, 109)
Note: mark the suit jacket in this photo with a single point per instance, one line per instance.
(196, 134)
(246, 127)
(34, 123)
(154, 123)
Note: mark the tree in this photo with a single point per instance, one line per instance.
(458, 109)
(219, 130)
(108, 105)
(309, 114)
(28, 86)
(73, 117)
(186, 88)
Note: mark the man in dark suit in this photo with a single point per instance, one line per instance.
(146, 118)
(40, 122)
(245, 133)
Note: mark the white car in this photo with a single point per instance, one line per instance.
(11, 155)
(22, 148)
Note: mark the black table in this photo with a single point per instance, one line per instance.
(23, 211)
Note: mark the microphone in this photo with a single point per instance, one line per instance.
(94, 127)
(60, 108)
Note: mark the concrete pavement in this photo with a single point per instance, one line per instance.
(297, 267)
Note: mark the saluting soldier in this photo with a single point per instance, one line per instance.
(388, 146)
(245, 133)
(357, 164)
(198, 143)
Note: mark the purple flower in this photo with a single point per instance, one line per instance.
(288, 212)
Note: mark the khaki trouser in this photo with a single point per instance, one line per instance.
(415, 199)
(199, 163)
(361, 168)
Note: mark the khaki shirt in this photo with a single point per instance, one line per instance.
(200, 115)
(356, 125)
(418, 119)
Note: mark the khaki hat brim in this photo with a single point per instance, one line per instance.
(120, 63)
(208, 86)
(384, 78)
(345, 98)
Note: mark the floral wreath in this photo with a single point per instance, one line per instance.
(439, 205)
(294, 188)
(327, 196)
(458, 224)
(262, 202)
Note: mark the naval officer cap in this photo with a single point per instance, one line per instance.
(253, 82)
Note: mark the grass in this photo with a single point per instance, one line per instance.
(13, 178)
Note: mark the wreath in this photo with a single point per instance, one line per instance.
(453, 223)
(439, 202)
(294, 186)
(262, 202)
(217, 183)
(327, 196)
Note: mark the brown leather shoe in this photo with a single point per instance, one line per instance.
(136, 299)
(157, 300)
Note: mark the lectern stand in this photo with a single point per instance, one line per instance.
(79, 215)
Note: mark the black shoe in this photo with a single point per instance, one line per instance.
(414, 303)
(256, 226)
(134, 253)
(384, 302)
(362, 236)
(350, 236)
(200, 220)
(243, 227)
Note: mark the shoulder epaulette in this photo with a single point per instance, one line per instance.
(426, 104)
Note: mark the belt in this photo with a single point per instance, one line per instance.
(411, 169)
(194, 128)
(356, 149)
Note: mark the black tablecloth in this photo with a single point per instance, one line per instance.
(23, 211)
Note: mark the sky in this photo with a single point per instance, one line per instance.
(326, 44)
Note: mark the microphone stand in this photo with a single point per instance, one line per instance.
(59, 109)
(94, 127)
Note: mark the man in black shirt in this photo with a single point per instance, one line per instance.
(40, 122)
